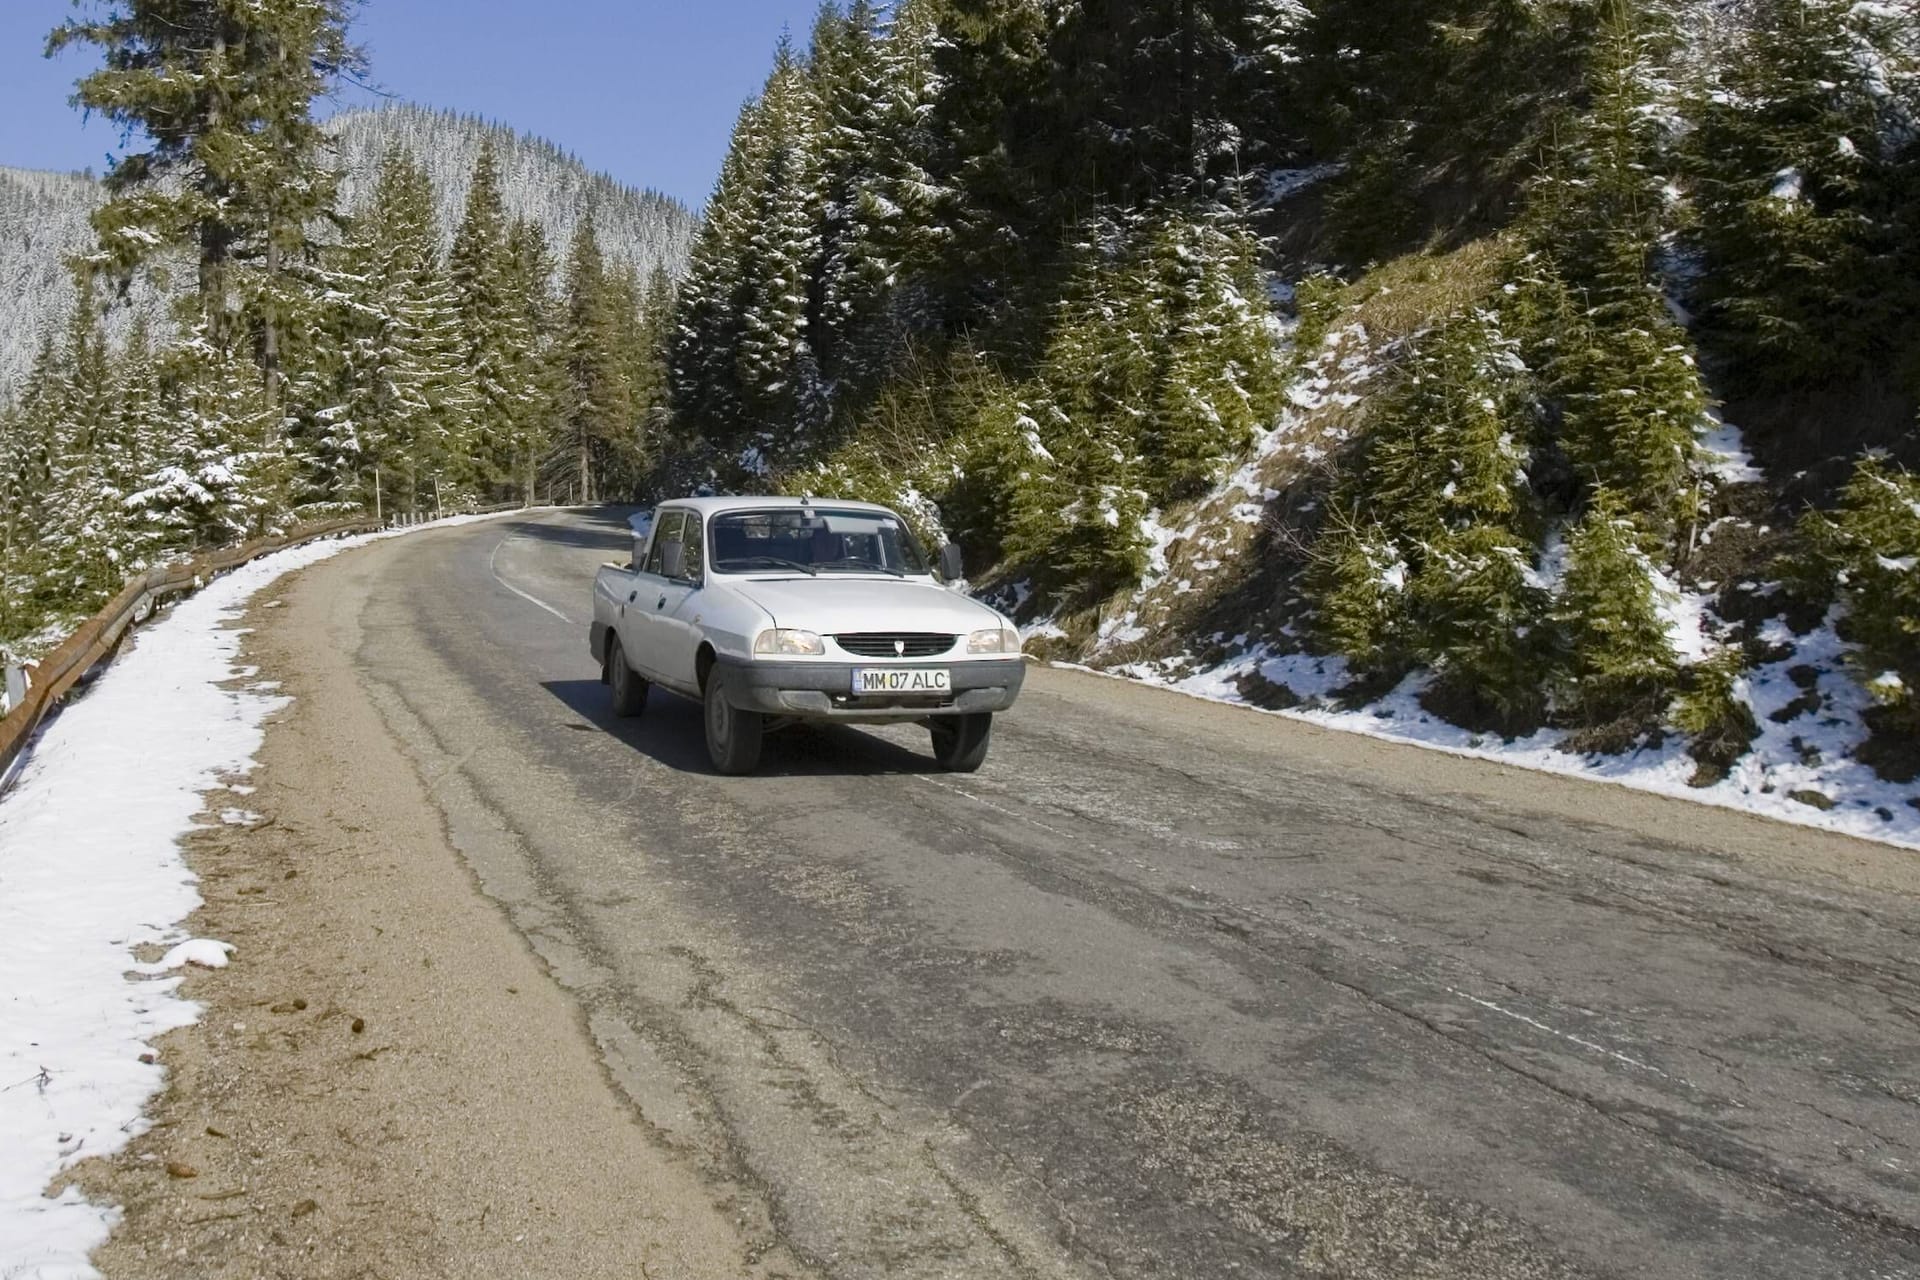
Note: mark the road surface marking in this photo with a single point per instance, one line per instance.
(494, 569)
(1564, 1035)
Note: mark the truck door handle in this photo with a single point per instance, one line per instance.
(633, 596)
(662, 603)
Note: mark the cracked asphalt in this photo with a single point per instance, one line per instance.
(1169, 989)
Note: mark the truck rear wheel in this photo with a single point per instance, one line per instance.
(733, 736)
(960, 742)
(629, 688)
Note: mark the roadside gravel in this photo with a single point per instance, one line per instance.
(386, 1081)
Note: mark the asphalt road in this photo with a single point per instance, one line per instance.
(1170, 989)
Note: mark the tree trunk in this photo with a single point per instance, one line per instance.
(270, 339)
(1189, 71)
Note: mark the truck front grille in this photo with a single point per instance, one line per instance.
(897, 644)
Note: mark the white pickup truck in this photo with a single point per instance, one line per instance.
(776, 610)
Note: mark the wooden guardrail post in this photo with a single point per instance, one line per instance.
(16, 686)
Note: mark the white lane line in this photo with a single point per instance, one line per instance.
(1564, 1035)
(494, 569)
(1000, 809)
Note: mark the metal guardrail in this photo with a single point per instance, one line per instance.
(96, 638)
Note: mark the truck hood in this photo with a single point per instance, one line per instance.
(843, 605)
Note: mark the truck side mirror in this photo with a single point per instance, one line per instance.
(952, 568)
(673, 559)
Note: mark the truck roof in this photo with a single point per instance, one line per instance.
(714, 506)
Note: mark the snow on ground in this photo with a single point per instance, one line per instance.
(90, 874)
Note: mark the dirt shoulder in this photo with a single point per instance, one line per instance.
(386, 1081)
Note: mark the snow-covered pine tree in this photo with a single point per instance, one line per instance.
(1870, 550)
(1793, 165)
(402, 422)
(1439, 504)
(1620, 662)
(844, 71)
(220, 472)
(87, 531)
(496, 341)
(1482, 627)
(1620, 367)
(29, 437)
(775, 362)
(1362, 610)
(1219, 379)
(897, 235)
(222, 92)
(710, 317)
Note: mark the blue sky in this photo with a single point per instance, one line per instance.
(644, 89)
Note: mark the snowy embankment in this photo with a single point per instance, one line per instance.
(1809, 707)
(1795, 766)
(91, 875)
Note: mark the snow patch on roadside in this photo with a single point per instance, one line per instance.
(1810, 711)
(90, 871)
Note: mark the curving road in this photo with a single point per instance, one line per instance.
(1169, 989)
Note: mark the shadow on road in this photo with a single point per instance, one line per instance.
(672, 733)
(604, 529)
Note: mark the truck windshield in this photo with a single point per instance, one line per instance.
(814, 541)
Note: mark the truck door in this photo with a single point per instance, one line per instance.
(678, 601)
(641, 634)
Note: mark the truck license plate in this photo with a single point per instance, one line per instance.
(871, 680)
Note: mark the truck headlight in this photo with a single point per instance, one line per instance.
(781, 640)
(994, 640)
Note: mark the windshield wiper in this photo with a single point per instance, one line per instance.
(774, 561)
(855, 562)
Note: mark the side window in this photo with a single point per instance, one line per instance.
(695, 561)
(666, 529)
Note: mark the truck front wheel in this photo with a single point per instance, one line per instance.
(733, 736)
(960, 742)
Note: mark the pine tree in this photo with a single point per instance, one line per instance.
(1620, 661)
(1482, 628)
(220, 470)
(775, 362)
(709, 320)
(496, 339)
(402, 421)
(1363, 612)
(1620, 369)
(1798, 194)
(1870, 549)
(1431, 555)
(1219, 379)
(534, 423)
(844, 72)
(87, 531)
(222, 90)
(599, 410)
(28, 448)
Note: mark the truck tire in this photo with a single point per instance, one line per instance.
(960, 742)
(629, 687)
(733, 736)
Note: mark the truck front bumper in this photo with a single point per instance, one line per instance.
(824, 690)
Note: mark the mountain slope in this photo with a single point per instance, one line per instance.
(43, 220)
(44, 216)
(538, 180)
